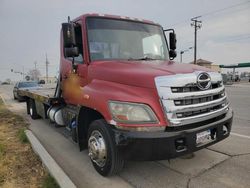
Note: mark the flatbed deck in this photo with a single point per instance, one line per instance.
(42, 94)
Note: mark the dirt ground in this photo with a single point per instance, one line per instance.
(19, 166)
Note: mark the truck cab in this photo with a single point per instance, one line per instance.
(124, 98)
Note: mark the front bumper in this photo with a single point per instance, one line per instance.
(165, 145)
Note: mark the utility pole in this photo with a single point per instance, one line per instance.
(35, 72)
(23, 73)
(35, 64)
(197, 25)
(47, 64)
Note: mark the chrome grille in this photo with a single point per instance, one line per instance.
(194, 100)
(193, 88)
(184, 103)
(196, 112)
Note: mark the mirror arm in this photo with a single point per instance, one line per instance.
(74, 22)
(165, 30)
(74, 66)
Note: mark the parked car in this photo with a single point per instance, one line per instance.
(24, 85)
(41, 82)
(237, 78)
(5, 83)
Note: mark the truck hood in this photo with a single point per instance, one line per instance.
(138, 73)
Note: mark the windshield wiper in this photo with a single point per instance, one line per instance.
(142, 59)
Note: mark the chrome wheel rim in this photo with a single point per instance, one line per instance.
(31, 111)
(97, 148)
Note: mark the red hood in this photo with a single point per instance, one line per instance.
(138, 73)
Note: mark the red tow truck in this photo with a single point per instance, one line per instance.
(122, 97)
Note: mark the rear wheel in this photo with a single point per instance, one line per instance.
(32, 109)
(14, 96)
(19, 98)
(106, 158)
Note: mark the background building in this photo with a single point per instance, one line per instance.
(208, 64)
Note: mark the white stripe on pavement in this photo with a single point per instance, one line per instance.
(240, 135)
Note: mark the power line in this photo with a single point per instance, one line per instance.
(223, 9)
(237, 39)
(212, 12)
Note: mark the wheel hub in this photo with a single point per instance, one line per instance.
(31, 111)
(97, 148)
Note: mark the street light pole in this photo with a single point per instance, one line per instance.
(47, 64)
(183, 51)
(35, 63)
(19, 72)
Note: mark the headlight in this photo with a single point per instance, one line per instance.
(126, 112)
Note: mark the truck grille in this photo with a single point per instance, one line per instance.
(185, 103)
(197, 112)
(193, 100)
(193, 88)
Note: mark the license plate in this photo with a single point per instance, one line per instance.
(203, 137)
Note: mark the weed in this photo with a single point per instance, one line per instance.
(49, 182)
(2, 149)
(22, 136)
(19, 166)
(2, 179)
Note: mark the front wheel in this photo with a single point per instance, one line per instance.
(105, 157)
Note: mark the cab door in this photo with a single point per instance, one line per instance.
(82, 66)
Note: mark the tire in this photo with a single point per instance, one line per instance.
(113, 161)
(14, 97)
(19, 99)
(32, 109)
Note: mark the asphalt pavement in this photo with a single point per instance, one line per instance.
(226, 164)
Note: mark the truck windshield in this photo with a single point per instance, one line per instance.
(111, 39)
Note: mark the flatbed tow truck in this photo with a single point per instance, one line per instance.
(122, 97)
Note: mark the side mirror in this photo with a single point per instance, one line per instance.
(71, 52)
(69, 40)
(172, 41)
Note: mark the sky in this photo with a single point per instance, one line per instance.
(29, 29)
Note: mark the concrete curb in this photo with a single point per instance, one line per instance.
(55, 170)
